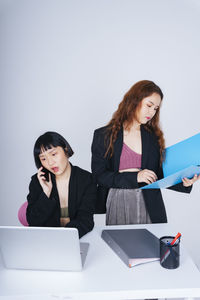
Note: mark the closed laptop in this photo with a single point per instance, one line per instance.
(42, 248)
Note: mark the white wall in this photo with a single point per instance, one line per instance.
(65, 66)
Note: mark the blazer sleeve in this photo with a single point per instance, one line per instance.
(40, 207)
(83, 217)
(102, 172)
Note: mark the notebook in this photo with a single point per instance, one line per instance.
(133, 246)
(42, 248)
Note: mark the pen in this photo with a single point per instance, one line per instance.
(176, 239)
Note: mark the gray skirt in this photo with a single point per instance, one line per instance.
(126, 206)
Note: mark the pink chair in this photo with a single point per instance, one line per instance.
(22, 214)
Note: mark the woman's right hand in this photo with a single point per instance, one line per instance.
(146, 176)
(46, 185)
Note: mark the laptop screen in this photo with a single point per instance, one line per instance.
(41, 248)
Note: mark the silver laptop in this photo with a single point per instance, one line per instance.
(42, 248)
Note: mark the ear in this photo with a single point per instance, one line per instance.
(66, 152)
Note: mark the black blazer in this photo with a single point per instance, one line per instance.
(44, 211)
(106, 172)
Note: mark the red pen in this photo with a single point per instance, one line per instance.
(175, 240)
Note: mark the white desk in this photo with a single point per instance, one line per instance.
(105, 276)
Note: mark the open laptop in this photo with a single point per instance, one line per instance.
(42, 248)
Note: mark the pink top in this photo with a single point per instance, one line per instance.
(129, 158)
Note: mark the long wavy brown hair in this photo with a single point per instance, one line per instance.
(126, 112)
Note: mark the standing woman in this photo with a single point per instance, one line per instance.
(60, 194)
(127, 154)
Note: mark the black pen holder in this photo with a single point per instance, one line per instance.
(169, 254)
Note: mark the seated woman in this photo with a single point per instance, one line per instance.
(60, 194)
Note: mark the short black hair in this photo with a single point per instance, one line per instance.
(48, 140)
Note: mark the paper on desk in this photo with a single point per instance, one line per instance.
(174, 178)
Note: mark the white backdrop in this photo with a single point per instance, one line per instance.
(65, 66)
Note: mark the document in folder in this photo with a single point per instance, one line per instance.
(133, 246)
(182, 160)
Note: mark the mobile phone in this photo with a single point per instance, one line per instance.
(46, 174)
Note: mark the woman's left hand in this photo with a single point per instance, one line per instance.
(188, 182)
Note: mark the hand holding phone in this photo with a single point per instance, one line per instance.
(46, 185)
(46, 174)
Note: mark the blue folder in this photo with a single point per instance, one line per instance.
(182, 160)
(174, 178)
(182, 155)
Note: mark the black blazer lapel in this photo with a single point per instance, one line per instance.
(54, 192)
(72, 195)
(145, 146)
(118, 149)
